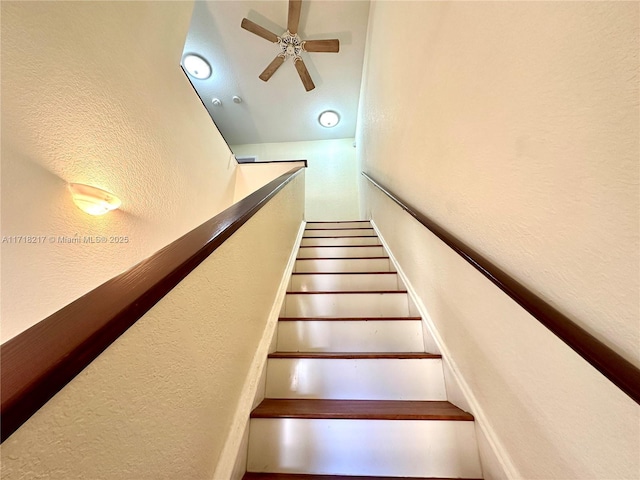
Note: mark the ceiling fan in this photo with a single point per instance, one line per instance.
(291, 46)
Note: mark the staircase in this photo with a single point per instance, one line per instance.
(350, 391)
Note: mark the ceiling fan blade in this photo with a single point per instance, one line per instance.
(271, 69)
(332, 46)
(258, 30)
(294, 15)
(304, 75)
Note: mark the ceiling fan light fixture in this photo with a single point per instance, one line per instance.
(329, 119)
(196, 66)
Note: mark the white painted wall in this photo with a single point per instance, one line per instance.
(515, 126)
(332, 188)
(253, 176)
(162, 400)
(93, 92)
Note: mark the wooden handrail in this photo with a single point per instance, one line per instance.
(263, 162)
(40, 361)
(608, 362)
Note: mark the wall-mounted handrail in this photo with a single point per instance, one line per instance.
(40, 361)
(262, 162)
(611, 364)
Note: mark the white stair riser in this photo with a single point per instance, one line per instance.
(341, 241)
(356, 379)
(364, 447)
(340, 233)
(337, 252)
(344, 265)
(338, 224)
(343, 282)
(346, 305)
(350, 336)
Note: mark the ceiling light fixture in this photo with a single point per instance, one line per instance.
(196, 66)
(93, 200)
(329, 119)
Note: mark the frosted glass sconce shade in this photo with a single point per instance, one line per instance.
(93, 200)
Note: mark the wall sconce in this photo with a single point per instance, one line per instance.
(92, 200)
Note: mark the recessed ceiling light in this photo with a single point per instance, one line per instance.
(329, 118)
(196, 66)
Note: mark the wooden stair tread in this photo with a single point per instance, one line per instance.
(342, 258)
(300, 476)
(338, 221)
(340, 246)
(342, 292)
(339, 319)
(359, 409)
(338, 228)
(346, 236)
(355, 355)
(344, 273)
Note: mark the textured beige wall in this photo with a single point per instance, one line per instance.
(253, 176)
(159, 402)
(93, 92)
(546, 411)
(515, 126)
(332, 189)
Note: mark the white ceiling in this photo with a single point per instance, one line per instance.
(279, 110)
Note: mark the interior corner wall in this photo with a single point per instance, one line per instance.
(93, 92)
(515, 126)
(331, 183)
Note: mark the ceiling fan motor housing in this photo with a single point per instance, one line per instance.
(291, 45)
